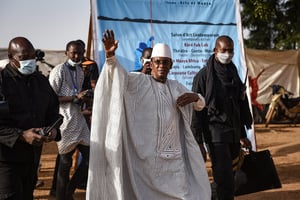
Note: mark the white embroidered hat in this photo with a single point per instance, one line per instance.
(161, 50)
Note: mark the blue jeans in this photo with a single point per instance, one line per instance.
(65, 186)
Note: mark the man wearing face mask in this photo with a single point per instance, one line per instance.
(32, 104)
(66, 79)
(145, 59)
(222, 123)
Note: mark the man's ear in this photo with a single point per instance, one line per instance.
(171, 64)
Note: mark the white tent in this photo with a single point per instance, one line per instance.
(281, 68)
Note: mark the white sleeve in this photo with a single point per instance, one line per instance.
(56, 77)
(200, 104)
(112, 64)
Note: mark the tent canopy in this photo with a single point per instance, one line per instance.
(280, 67)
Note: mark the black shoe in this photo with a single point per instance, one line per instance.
(53, 192)
(81, 186)
(69, 197)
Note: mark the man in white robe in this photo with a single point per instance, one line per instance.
(141, 144)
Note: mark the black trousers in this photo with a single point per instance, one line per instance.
(54, 180)
(64, 186)
(17, 180)
(221, 155)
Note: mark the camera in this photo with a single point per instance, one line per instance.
(39, 54)
(45, 131)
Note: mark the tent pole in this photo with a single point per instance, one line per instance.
(90, 35)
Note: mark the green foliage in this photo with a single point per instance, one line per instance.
(263, 10)
(272, 24)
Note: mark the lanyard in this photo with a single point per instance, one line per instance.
(74, 79)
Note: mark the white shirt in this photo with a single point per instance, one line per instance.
(74, 129)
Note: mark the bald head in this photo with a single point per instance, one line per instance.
(21, 55)
(20, 48)
(223, 40)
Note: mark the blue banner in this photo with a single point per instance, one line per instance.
(190, 27)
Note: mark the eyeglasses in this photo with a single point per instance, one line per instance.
(162, 62)
(224, 50)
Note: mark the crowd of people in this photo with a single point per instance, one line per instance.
(147, 137)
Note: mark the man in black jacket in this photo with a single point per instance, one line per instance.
(32, 105)
(222, 123)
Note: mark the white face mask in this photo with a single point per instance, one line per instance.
(27, 66)
(145, 60)
(73, 64)
(224, 58)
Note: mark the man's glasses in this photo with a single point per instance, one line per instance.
(223, 50)
(162, 62)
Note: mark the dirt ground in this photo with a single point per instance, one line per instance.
(282, 140)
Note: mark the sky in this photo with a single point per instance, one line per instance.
(48, 24)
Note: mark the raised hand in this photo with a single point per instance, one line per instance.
(109, 43)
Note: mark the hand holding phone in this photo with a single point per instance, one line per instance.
(45, 131)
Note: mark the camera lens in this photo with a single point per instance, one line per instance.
(39, 54)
